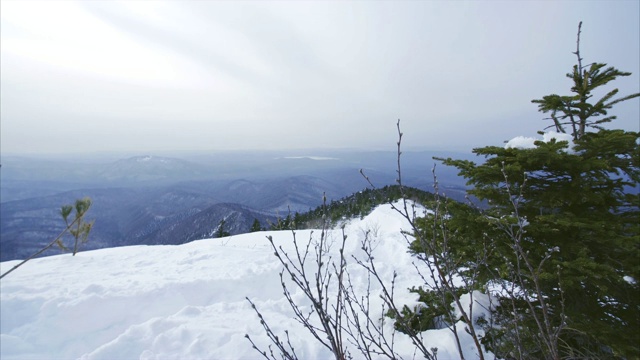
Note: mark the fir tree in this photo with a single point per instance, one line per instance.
(576, 110)
(221, 231)
(255, 226)
(563, 224)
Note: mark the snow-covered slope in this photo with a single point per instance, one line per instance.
(186, 301)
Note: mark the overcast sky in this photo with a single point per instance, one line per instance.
(144, 76)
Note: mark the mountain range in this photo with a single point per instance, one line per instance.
(166, 200)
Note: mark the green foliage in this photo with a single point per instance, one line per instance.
(77, 227)
(577, 110)
(580, 205)
(561, 236)
(222, 232)
(563, 223)
(255, 226)
(359, 205)
(286, 223)
(434, 315)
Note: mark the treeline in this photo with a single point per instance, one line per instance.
(359, 204)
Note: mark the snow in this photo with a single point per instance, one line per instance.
(188, 301)
(524, 142)
(316, 158)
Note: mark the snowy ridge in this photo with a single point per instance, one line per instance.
(317, 158)
(185, 301)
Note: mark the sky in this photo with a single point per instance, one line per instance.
(144, 76)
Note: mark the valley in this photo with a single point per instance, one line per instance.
(160, 200)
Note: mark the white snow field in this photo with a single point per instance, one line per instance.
(188, 301)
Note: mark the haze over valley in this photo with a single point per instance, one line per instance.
(168, 200)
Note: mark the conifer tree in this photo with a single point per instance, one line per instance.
(255, 226)
(564, 228)
(222, 232)
(577, 110)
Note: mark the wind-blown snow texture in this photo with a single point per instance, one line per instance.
(525, 142)
(185, 301)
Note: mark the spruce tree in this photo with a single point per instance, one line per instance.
(563, 222)
(577, 110)
(221, 231)
(255, 226)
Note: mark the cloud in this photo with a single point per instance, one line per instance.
(295, 74)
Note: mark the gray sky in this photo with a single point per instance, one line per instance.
(143, 76)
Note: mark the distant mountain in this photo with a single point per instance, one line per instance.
(174, 213)
(297, 193)
(27, 225)
(152, 168)
(123, 216)
(155, 199)
(205, 224)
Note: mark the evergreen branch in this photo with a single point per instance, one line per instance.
(55, 241)
(628, 97)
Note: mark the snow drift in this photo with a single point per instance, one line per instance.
(526, 142)
(186, 301)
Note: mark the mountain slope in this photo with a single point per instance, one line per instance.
(204, 224)
(151, 168)
(295, 193)
(132, 215)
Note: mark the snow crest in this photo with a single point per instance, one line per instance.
(187, 301)
(524, 142)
